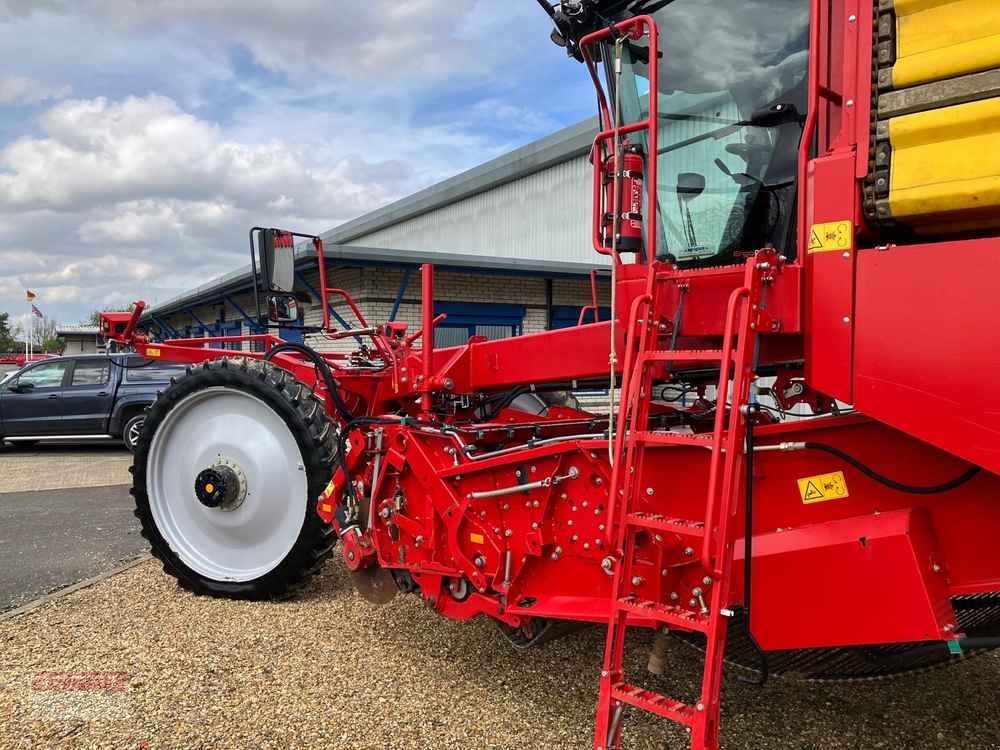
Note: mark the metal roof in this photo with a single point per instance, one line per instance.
(305, 258)
(557, 148)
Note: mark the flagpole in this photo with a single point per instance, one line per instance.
(31, 332)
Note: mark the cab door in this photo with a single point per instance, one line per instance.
(88, 397)
(31, 403)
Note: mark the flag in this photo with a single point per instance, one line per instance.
(30, 295)
(36, 311)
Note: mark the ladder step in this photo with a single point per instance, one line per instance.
(669, 614)
(654, 522)
(685, 355)
(649, 437)
(654, 703)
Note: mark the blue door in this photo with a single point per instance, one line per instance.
(293, 335)
(31, 403)
(88, 396)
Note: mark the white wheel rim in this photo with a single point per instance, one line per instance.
(247, 542)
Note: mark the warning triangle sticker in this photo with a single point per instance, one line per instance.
(813, 492)
(815, 243)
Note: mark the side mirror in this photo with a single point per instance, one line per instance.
(17, 387)
(277, 260)
(282, 308)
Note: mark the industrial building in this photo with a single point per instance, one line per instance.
(510, 241)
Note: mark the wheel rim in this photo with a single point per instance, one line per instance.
(134, 430)
(235, 544)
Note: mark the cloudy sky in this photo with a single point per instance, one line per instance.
(140, 139)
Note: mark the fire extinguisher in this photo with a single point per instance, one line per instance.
(630, 223)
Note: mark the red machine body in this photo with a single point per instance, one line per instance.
(874, 524)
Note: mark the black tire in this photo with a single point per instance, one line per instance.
(313, 431)
(132, 431)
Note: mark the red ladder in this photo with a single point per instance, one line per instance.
(709, 540)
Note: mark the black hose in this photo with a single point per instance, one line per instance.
(891, 483)
(748, 564)
(324, 369)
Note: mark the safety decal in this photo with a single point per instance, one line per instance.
(834, 235)
(477, 538)
(823, 487)
(152, 352)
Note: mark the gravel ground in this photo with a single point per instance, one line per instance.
(53, 467)
(329, 670)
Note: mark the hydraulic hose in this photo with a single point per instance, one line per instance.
(324, 369)
(748, 561)
(869, 472)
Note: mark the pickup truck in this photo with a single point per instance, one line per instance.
(81, 397)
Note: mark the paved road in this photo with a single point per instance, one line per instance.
(53, 538)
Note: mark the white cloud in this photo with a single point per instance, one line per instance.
(24, 90)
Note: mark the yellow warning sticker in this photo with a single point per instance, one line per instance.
(823, 487)
(152, 351)
(834, 235)
(477, 538)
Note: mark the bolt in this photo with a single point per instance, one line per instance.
(597, 511)
(586, 545)
(846, 319)
(850, 102)
(852, 18)
(480, 561)
(418, 540)
(535, 504)
(847, 255)
(573, 508)
(700, 706)
(692, 602)
(688, 551)
(534, 524)
(350, 555)
(649, 491)
(607, 565)
(697, 591)
(937, 568)
(554, 555)
(601, 527)
(569, 522)
(674, 596)
(598, 481)
(584, 504)
(508, 533)
(707, 580)
(636, 580)
(574, 538)
(598, 542)
(517, 473)
(506, 506)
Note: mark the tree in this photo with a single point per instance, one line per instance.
(7, 341)
(43, 335)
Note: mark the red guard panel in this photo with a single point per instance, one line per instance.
(927, 344)
(868, 579)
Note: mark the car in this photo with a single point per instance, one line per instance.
(81, 397)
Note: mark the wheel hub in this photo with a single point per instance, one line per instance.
(219, 486)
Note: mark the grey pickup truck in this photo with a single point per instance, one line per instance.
(81, 397)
